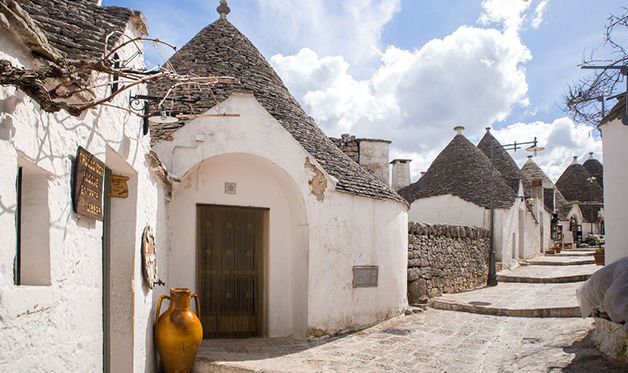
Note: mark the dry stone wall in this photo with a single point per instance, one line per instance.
(445, 259)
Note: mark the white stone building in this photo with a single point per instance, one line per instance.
(456, 190)
(253, 207)
(615, 138)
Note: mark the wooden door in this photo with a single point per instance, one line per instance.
(229, 270)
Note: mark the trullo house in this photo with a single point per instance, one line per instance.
(533, 220)
(251, 205)
(273, 225)
(457, 189)
(579, 187)
(614, 128)
(560, 212)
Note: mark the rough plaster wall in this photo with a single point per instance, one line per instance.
(507, 233)
(59, 327)
(615, 137)
(401, 175)
(344, 230)
(374, 156)
(447, 209)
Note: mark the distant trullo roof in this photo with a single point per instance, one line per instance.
(462, 170)
(503, 161)
(573, 184)
(595, 169)
(532, 171)
(221, 49)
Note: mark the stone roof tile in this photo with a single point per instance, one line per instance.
(503, 161)
(221, 49)
(461, 170)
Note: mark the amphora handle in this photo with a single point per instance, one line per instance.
(161, 298)
(198, 305)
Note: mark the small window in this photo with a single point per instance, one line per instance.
(32, 259)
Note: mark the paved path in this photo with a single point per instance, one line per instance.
(561, 260)
(548, 274)
(515, 299)
(433, 341)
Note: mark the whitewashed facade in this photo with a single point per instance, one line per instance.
(615, 138)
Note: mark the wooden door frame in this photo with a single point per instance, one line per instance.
(262, 319)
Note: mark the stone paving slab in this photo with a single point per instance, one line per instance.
(433, 341)
(539, 274)
(561, 260)
(515, 300)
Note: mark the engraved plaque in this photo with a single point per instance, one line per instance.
(230, 188)
(365, 276)
(89, 174)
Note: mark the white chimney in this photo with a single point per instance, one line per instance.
(459, 130)
(400, 173)
(374, 156)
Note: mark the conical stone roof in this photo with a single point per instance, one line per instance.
(573, 184)
(595, 169)
(462, 170)
(221, 49)
(532, 171)
(503, 161)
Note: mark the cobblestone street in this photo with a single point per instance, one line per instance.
(528, 323)
(432, 341)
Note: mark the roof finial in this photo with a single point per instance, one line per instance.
(488, 129)
(591, 155)
(223, 9)
(530, 156)
(575, 159)
(459, 129)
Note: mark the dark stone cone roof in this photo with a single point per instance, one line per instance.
(503, 161)
(532, 171)
(574, 186)
(462, 170)
(595, 169)
(78, 28)
(221, 49)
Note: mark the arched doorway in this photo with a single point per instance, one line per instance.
(239, 237)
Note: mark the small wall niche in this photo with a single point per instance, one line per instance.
(33, 226)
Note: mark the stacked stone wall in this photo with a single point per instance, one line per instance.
(349, 145)
(445, 259)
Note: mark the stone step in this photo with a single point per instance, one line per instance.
(543, 280)
(515, 300)
(539, 274)
(572, 253)
(560, 260)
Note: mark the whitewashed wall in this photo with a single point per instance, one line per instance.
(313, 244)
(58, 327)
(448, 209)
(615, 138)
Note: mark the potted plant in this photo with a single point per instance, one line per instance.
(599, 256)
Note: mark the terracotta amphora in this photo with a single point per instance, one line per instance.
(178, 332)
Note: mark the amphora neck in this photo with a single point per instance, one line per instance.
(180, 297)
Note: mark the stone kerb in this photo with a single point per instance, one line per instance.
(445, 259)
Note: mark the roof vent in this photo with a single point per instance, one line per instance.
(223, 9)
(459, 129)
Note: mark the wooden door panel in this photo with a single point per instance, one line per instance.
(230, 270)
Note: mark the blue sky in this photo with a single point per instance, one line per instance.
(410, 70)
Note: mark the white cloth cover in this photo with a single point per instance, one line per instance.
(607, 291)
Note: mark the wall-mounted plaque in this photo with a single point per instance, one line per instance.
(89, 173)
(230, 188)
(119, 186)
(365, 276)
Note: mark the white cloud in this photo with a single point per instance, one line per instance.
(351, 28)
(472, 77)
(562, 138)
(539, 12)
(510, 14)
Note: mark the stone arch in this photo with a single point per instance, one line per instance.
(259, 183)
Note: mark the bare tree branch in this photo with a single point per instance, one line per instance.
(582, 100)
